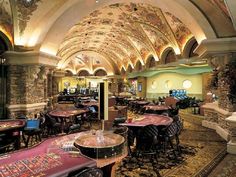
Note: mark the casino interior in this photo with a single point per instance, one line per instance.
(123, 88)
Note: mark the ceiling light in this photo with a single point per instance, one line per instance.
(97, 1)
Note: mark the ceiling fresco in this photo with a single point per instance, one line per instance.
(25, 10)
(89, 35)
(6, 24)
(126, 33)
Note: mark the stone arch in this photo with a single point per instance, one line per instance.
(129, 69)
(83, 72)
(5, 44)
(68, 73)
(138, 66)
(100, 72)
(190, 46)
(168, 56)
(150, 62)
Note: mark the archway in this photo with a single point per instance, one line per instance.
(168, 56)
(83, 73)
(100, 72)
(5, 45)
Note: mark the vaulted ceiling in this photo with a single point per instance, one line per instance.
(124, 34)
(112, 35)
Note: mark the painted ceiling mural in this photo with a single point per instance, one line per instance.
(25, 10)
(6, 24)
(121, 34)
(126, 33)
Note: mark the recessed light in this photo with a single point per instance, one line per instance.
(97, 1)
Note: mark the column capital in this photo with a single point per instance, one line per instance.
(30, 58)
(216, 47)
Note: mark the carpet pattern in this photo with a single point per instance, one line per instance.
(200, 146)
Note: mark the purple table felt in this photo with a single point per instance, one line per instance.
(149, 119)
(45, 159)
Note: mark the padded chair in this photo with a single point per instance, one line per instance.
(53, 127)
(93, 115)
(170, 133)
(32, 131)
(87, 172)
(147, 142)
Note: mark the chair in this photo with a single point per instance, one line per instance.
(32, 130)
(53, 127)
(169, 133)
(147, 142)
(93, 115)
(87, 172)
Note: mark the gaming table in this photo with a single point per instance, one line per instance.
(50, 158)
(149, 119)
(11, 129)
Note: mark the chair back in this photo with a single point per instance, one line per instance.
(32, 124)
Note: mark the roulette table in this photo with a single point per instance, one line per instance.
(11, 129)
(49, 158)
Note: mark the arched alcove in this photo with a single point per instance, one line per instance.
(83, 73)
(68, 73)
(168, 56)
(151, 62)
(100, 72)
(138, 66)
(189, 48)
(5, 45)
(129, 69)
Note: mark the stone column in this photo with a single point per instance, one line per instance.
(25, 90)
(26, 82)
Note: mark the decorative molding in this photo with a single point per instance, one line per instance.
(30, 58)
(26, 107)
(25, 10)
(59, 73)
(214, 47)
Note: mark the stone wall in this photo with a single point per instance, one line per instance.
(214, 114)
(16, 88)
(223, 90)
(211, 115)
(26, 86)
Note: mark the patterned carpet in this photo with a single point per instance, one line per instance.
(200, 147)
